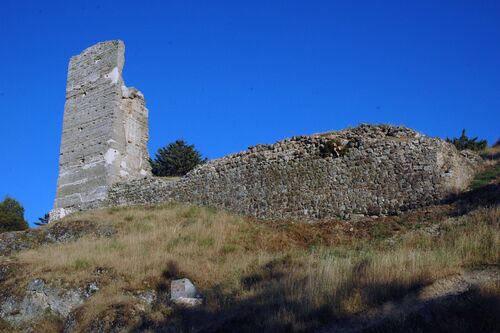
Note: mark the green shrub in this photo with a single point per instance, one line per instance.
(463, 142)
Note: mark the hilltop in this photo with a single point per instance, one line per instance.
(109, 270)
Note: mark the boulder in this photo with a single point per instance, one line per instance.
(183, 292)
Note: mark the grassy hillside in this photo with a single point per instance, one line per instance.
(276, 276)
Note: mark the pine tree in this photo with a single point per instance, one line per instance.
(463, 142)
(176, 159)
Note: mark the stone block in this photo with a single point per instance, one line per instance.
(183, 288)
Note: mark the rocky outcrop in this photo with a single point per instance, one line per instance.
(370, 170)
(39, 299)
(15, 241)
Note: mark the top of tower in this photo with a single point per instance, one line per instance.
(106, 45)
(103, 60)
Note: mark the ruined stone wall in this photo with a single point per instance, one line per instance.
(366, 170)
(369, 170)
(105, 130)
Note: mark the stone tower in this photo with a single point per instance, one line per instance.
(105, 130)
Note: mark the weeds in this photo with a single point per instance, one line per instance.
(486, 176)
(81, 264)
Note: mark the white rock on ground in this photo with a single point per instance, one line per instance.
(183, 292)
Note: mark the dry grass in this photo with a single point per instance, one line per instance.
(292, 277)
(491, 154)
(147, 239)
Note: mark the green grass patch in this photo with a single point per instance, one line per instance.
(189, 213)
(181, 241)
(128, 218)
(81, 264)
(113, 210)
(486, 176)
(229, 248)
(114, 245)
(206, 242)
(142, 227)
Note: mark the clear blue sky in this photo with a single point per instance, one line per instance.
(225, 75)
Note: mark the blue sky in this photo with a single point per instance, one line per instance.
(225, 75)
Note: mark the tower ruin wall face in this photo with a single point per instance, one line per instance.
(105, 130)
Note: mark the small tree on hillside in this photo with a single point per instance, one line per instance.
(12, 215)
(176, 159)
(463, 142)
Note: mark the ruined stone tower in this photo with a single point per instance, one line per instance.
(367, 170)
(105, 130)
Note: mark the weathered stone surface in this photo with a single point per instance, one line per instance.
(105, 130)
(188, 301)
(370, 170)
(184, 293)
(183, 288)
(38, 299)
